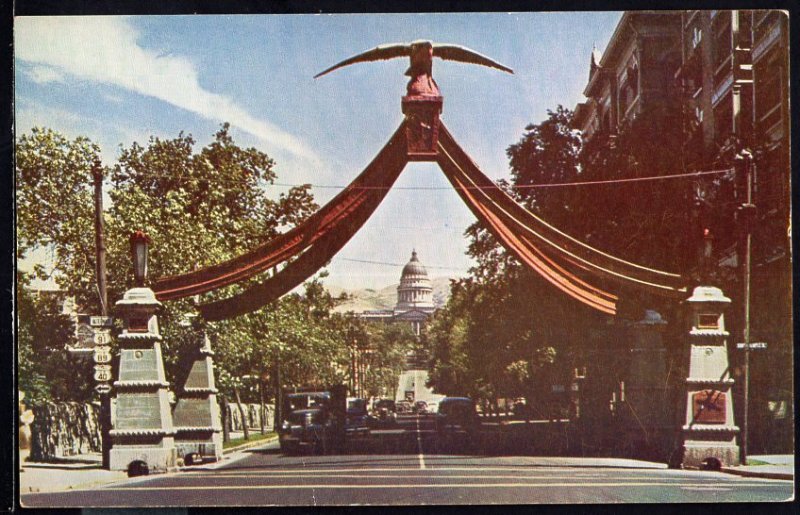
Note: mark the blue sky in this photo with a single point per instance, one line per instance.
(122, 79)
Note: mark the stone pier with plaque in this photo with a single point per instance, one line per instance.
(709, 435)
(143, 432)
(648, 426)
(198, 427)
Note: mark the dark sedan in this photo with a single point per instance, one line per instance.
(305, 428)
(457, 414)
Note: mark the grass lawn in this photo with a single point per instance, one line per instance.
(255, 436)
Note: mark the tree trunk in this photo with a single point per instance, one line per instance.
(226, 428)
(241, 412)
(263, 413)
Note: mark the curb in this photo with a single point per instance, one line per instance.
(764, 475)
(249, 445)
(88, 485)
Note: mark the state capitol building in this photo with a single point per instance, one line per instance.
(414, 298)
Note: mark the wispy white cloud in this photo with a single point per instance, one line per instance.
(105, 49)
(44, 74)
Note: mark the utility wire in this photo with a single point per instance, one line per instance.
(527, 186)
(394, 264)
(183, 180)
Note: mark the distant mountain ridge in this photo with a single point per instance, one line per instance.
(385, 298)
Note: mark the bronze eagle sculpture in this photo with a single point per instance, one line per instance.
(421, 54)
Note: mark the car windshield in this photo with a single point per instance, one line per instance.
(297, 418)
(357, 406)
(456, 407)
(307, 400)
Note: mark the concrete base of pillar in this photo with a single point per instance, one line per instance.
(695, 455)
(209, 447)
(158, 459)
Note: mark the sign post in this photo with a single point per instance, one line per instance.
(747, 347)
(101, 340)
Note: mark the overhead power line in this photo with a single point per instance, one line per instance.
(528, 186)
(395, 264)
(219, 180)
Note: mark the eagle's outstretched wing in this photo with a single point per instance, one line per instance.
(465, 55)
(379, 53)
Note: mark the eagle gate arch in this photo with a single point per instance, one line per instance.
(568, 264)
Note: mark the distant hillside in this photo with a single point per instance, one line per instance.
(384, 298)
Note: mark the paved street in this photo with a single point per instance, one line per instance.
(409, 465)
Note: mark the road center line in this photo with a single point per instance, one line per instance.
(419, 445)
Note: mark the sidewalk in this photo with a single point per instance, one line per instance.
(84, 471)
(78, 472)
(772, 466)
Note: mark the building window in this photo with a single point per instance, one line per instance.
(768, 90)
(697, 37)
(723, 119)
(723, 44)
(698, 113)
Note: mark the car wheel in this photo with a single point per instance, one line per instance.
(289, 448)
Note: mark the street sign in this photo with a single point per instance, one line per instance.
(103, 388)
(102, 373)
(102, 354)
(755, 345)
(102, 338)
(101, 321)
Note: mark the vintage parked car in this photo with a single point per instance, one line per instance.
(403, 407)
(308, 423)
(356, 421)
(384, 412)
(457, 414)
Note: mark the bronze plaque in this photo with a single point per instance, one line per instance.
(138, 411)
(709, 407)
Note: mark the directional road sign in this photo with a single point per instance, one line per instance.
(102, 337)
(103, 388)
(101, 321)
(751, 346)
(102, 354)
(102, 373)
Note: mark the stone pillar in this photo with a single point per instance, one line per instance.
(143, 429)
(648, 419)
(422, 129)
(198, 427)
(709, 435)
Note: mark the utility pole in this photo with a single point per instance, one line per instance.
(100, 273)
(99, 240)
(747, 211)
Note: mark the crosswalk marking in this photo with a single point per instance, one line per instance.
(401, 486)
(304, 474)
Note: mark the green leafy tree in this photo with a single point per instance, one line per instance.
(47, 372)
(199, 207)
(505, 332)
(388, 346)
(55, 207)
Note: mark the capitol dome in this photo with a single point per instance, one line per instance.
(415, 291)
